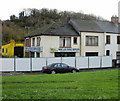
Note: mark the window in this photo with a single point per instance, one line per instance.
(32, 54)
(108, 39)
(3, 50)
(107, 52)
(117, 55)
(6, 50)
(57, 65)
(118, 39)
(64, 65)
(38, 41)
(75, 40)
(91, 53)
(37, 54)
(91, 40)
(27, 42)
(65, 42)
(33, 41)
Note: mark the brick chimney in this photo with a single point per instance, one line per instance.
(115, 19)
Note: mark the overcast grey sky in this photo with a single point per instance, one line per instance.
(103, 8)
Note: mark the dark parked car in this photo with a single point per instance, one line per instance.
(58, 68)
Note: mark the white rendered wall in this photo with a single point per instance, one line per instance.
(48, 42)
(100, 48)
(113, 46)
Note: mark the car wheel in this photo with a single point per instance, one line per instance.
(53, 72)
(74, 71)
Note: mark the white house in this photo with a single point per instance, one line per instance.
(53, 40)
(98, 38)
(75, 38)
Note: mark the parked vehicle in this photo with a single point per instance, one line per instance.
(58, 68)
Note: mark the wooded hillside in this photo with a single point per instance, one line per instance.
(30, 19)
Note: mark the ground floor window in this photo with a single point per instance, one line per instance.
(64, 54)
(118, 55)
(91, 54)
(32, 55)
(27, 54)
(37, 54)
(107, 52)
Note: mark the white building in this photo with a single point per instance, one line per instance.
(98, 38)
(75, 38)
(53, 40)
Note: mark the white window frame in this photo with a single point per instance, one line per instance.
(65, 42)
(92, 40)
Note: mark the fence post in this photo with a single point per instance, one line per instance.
(46, 61)
(31, 64)
(14, 64)
(101, 62)
(88, 62)
(75, 62)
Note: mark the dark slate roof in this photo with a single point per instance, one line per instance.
(94, 26)
(74, 27)
(108, 27)
(119, 28)
(60, 29)
(85, 25)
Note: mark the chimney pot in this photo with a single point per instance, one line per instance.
(115, 19)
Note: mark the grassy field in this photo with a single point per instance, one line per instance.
(83, 85)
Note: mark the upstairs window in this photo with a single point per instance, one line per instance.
(91, 40)
(108, 39)
(65, 42)
(75, 40)
(118, 39)
(38, 41)
(33, 41)
(27, 42)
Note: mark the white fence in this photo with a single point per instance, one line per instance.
(36, 64)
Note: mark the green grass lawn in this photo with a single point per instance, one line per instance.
(82, 85)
